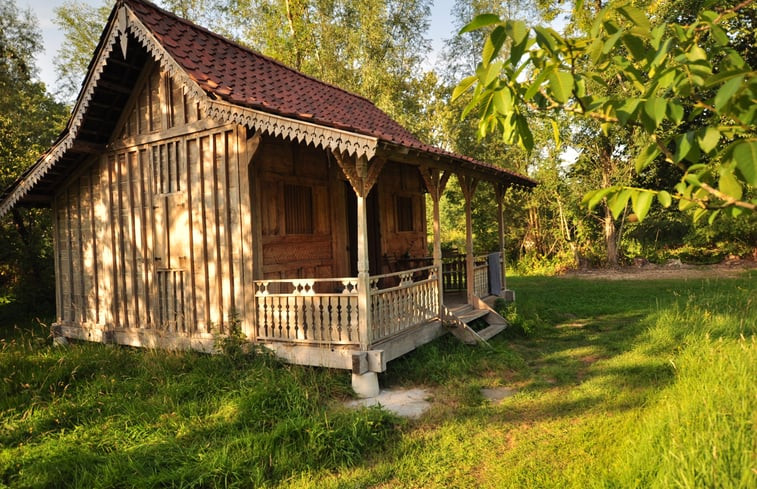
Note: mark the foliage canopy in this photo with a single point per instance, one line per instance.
(685, 87)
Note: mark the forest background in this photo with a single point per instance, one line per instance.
(379, 49)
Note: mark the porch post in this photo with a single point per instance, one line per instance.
(468, 185)
(500, 195)
(435, 182)
(362, 177)
(363, 274)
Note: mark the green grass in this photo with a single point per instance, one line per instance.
(619, 384)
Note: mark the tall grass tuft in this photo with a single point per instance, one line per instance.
(102, 416)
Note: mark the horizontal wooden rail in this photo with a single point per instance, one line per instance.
(315, 311)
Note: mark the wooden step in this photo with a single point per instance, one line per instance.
(492, 330)
(459, 317)
(472, 315)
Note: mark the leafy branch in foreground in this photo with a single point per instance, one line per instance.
(684, 86)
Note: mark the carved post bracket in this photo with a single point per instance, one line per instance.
(361, 173)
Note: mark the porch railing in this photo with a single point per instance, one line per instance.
(481, 276)
(453, 272)
(410, 299)
(323, 311)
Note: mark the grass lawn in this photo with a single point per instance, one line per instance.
(617, 384)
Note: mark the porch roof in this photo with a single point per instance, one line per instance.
(232, 83)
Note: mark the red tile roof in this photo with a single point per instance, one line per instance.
(246, 78)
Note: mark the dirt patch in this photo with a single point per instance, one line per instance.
(673, 270)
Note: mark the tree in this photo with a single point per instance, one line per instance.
(81, 24)
(30, 119)
(668, 76)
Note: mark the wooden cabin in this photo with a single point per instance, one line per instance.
(200, 185)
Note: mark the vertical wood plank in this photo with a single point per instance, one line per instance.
(137, 218)
(244, 164)
(56, 261)
(103, 227)
(113, 199)
(94, 196)
(122, 238)
(234, 236)
(77, 275)
(89, 278)
(209, 232)
(223, 224)
(196, 248)
(144, 203)
(154, 252)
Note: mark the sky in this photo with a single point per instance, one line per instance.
(439, 30)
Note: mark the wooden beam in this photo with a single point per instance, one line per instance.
(435, 180)
(499, 191)
(468, 185)
(115, 87)
(85, 147)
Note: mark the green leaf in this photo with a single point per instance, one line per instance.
(635, 46)
(536, 85)
(503, 101)
(493, 44)
(684, 204)
(696, 54)
(729, 185)
(561, 85)
(692, 179)
(719, 34)
(655, 108)
(698, 214)
(712, 217)
(480, 21)
(745, 154)
(463, 86)
(684, 145)
(627, 110)
(519, 34)
(636, 16)
(591, 199)
(489, 73)
(675, 111)
(708, 139)
(468, 108)
(545, 39)
(618, 202)
(555, 132)
(646, 157)
(727, 91)
(660, 55)
(526, 137)
(664, 198)
(610, 42)
(641, 201)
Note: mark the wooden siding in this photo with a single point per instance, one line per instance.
(398, 183)
(298, 199)
(148, 236)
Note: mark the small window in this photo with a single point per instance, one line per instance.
(298, 209)
(404, 214)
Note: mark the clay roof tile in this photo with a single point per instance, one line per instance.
(261, 82)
